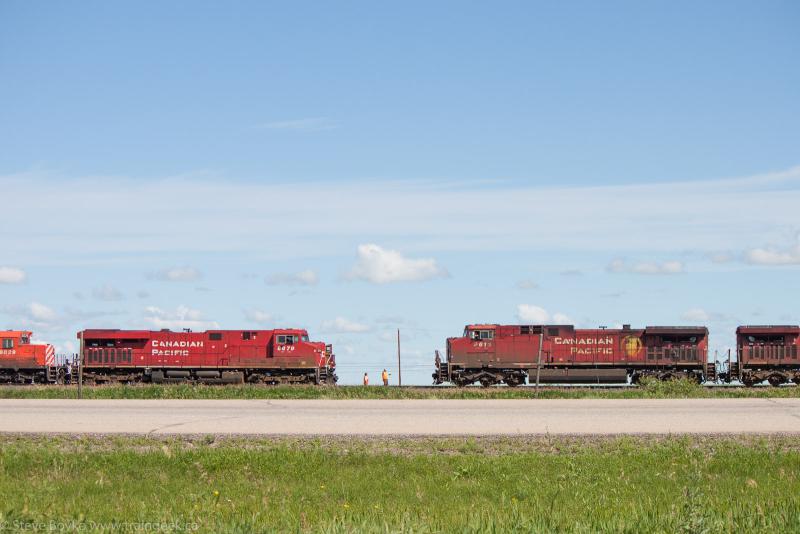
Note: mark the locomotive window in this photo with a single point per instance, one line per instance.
(281, 340)
(487, 334)
(693, 339)
(215, 336)
(24, 340)
(475, 334)
(552, 331)
(305, 337)
(245, 335)
(8, 343)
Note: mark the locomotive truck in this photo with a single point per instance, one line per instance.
(510, 354)
(278, 356)
(22, 361)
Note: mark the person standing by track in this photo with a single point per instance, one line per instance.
(385, 377)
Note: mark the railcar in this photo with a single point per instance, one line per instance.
(278, 356)
(25, 362)
(769, 352)
(511, 354)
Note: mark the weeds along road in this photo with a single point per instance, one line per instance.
(402, 417)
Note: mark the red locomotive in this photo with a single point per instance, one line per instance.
(767, 353)
(493, 354)
(24, 362)
(214, 356)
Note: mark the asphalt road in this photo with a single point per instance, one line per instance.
(401, 417)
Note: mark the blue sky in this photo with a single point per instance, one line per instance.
(354, 168)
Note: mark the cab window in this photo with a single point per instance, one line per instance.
(487, 334)
(8, 343)
(305, 338)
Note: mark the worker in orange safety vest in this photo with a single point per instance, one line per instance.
(385, 377)
(366, 379)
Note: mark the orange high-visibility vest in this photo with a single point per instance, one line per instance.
(385, 375)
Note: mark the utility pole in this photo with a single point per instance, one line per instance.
(80, 369)
(539, 360)
(399, 369)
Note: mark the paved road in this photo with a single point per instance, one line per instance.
(402, 417)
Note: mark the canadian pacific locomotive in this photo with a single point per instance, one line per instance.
(767, 353)
(214, 356)
(22, 361)
(510, 354)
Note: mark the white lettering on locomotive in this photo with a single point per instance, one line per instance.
(602, 345)
(482, 344)
(174, 348)
(8, 352)
(583, 341)
(285, 348)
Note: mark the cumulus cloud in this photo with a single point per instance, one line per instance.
(696, 315)
(259, 317)
(34, 315)
(774, 255)
(531, 314)
(527, 284)
(12, 275)
(646, 267)
(381, 266)
(307, 277)
(340, 325)
(181, 317)
(107, 293)
(177, 274)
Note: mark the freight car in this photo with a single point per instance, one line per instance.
(510, 354)
(215, 356)
(24, 362)
(766, 353)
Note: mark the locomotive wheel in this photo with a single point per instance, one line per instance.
(486, 382)
(748, 382)
(775, 380)
(512, 381)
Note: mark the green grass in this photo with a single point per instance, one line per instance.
(380, 485)
(651, 389)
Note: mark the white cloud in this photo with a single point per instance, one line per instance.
(381, 266)
(560, 318)
(177, 274)
(528, 313)
(527, 284)
(259, 317)
(182, 317)
(774, 255)
(721, 257)
(12, 275)
(40, 312)
(307, 277)
(696, 315)
(531, 314)
(36, 316)
(340, 325)
(646, 267)
(311, 124)
(107, 293)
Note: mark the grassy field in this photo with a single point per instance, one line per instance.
(652, 389)
(434, 485)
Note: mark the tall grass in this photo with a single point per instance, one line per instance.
(621, 485)
(648, 389)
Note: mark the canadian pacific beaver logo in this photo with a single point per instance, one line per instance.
(631, 345)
